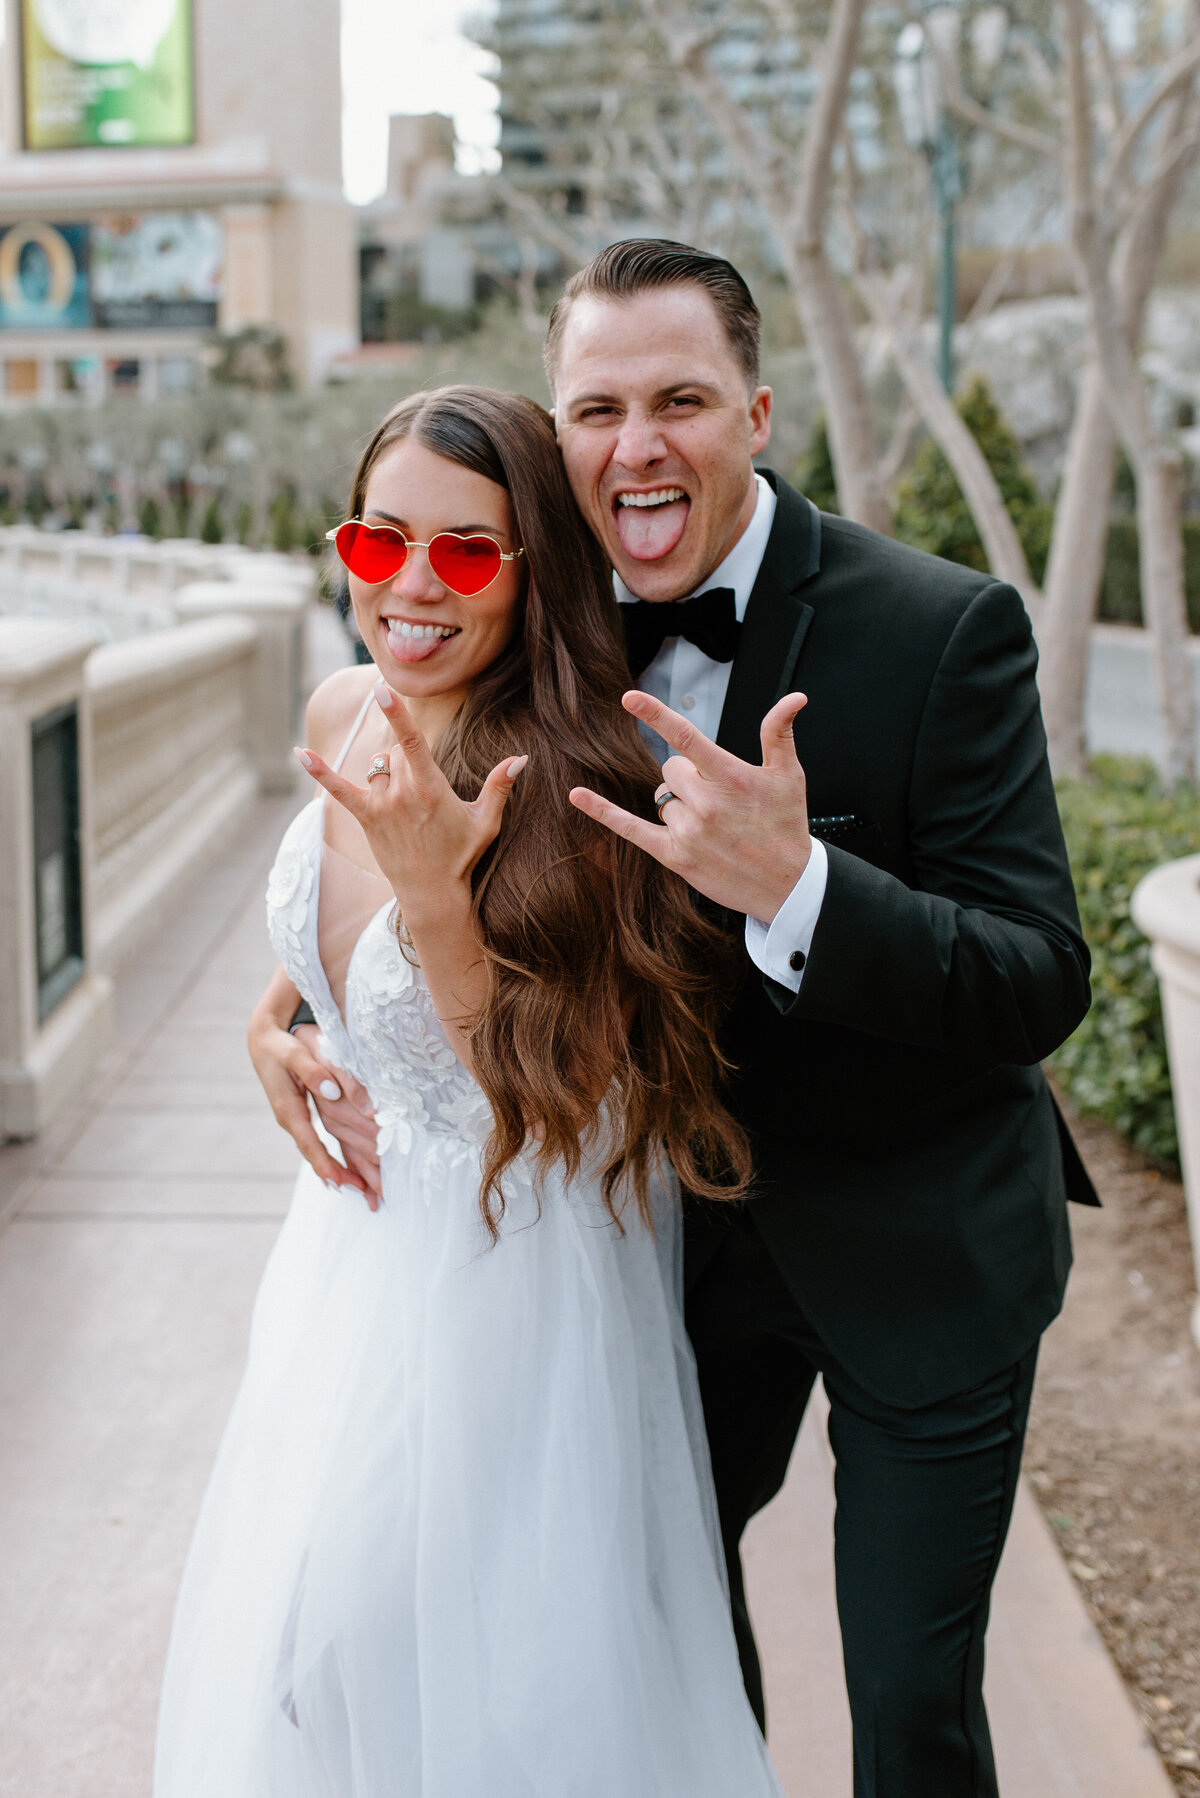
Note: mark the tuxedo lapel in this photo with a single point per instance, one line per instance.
(776, 623)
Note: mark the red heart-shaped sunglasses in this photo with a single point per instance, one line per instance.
(376, 552)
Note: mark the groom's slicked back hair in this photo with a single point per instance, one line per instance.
(644, 264)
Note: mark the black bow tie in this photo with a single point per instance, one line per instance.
(708, 620)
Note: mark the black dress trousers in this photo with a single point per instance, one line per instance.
(924, 1498)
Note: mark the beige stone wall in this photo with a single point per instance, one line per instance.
(271, 70)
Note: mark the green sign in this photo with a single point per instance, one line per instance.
(107, 72)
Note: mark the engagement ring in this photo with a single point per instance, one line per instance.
(380, 765)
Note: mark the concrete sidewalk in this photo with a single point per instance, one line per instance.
(137, 1234)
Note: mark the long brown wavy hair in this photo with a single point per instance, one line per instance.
(598, 1032)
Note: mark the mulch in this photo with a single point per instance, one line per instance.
(1113, 1452)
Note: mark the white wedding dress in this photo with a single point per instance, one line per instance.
(460, 1540)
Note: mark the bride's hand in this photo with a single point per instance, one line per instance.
(425, 839)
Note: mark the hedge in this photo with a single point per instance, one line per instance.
(1120, 822)
(1121, 593)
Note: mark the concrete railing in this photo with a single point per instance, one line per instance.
(172, 768)
(128, 585)
(121, 767)
(136, 566)
(1166, 908)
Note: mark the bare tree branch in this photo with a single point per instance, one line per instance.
(541, 220)
(759, 160)
(993, 289)
(1179, 72)
(972, 113)
(1109, 77)
(900, 443)
(1040, 72)
(1001, 543)
(841, 54)
(1166, 177)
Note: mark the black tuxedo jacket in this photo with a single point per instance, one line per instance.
(912, 1168)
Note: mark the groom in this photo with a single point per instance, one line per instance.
(913, 951)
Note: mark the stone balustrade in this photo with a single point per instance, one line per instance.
(172, 767)
(120, 767)
(128, 585)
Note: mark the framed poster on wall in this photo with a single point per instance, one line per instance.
(44, 277)
(156, 268)
(106, 72)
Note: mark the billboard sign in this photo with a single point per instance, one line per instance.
(156, 269)
(44, 277)
(114, 72)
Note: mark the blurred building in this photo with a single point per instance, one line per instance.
(169, 169)
(436, 243)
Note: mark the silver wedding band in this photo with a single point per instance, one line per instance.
(380, 765)
(662, 799)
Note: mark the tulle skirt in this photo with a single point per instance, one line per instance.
(460, 1539)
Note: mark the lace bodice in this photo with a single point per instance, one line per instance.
(390, 1037)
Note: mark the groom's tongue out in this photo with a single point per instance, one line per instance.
(651, 524)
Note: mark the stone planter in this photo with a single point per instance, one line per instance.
(1166, 908)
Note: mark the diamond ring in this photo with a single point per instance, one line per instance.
(380, 765)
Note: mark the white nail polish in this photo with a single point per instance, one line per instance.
(329, 1089)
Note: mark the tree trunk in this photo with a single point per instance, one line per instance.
(821, 303)
(1074, 574)
(1160, 562)
(1001, 543)
(1080, 540)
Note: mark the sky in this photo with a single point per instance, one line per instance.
(411, 56)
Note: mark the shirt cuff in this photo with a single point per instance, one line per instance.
(781, 949)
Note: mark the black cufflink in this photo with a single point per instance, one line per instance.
(796, 960)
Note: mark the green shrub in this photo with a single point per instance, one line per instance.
(150, 517)
(211, 528)
(285, 527)
(931, 512)
(1121, 591)
(814, 473)
(1119, 823)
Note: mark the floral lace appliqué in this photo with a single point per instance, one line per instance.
(391, 1038)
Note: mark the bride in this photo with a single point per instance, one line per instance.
(460, 1540)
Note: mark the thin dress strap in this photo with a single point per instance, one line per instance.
(344, 751)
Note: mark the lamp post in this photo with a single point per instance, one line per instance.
(927, 128)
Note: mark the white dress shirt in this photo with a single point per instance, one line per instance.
(688, 681)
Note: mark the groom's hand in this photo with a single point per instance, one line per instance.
(736, 833)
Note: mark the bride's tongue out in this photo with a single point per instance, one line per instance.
(649, 532)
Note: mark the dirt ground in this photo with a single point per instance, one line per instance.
(1114, 1439)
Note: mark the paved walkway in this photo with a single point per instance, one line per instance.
(135, 1238)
